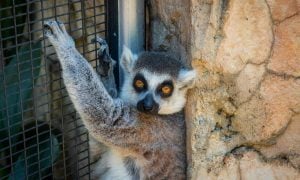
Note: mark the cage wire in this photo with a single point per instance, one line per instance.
(41, 135)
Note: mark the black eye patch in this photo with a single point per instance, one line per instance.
(139, 83)
(165, 89)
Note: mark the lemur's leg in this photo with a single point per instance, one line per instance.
(105, 67)
(107, 119)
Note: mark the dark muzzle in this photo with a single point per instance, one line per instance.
(148, 105)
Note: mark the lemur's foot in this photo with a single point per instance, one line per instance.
(56, 32)
(106, 63)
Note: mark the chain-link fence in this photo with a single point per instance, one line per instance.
(41, 135)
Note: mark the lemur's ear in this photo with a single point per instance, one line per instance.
(187, 78)
(127, 59)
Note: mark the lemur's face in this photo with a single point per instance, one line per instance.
(155, 83)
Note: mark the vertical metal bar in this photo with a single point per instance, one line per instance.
(89, 162)
(131, 26)
(70, 29)
(83, 26)
(112, 33)
(95, 30)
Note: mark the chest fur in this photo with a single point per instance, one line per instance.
(116, 165)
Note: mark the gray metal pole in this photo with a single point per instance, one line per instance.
(131, 26)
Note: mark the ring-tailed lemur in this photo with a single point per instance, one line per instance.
(144, 129)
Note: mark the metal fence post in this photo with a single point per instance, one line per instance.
(131, 26)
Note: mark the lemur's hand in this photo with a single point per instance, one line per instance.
(105, 67)
(103, 52)
(56, 32)
(106, 63)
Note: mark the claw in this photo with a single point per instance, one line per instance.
(103, 52)
(99, 40)
(57, 35)
(47, 28)
(61, 26)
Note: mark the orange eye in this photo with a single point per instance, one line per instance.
(166, 90)
(139, 84)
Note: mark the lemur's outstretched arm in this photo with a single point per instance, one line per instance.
(107, 119)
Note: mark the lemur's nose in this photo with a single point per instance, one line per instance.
(147, 105)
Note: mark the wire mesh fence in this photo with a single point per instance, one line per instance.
(41, 135)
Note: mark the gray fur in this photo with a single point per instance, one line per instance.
(158, 62)
(105, 67)
(131, 167)
(155, 142)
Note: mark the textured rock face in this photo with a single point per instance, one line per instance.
(243, 117)
(285, 59)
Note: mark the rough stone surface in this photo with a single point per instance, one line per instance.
(169, 25)
(286, 55)
(282, 9)
(286, 145)
(250, 165)
(269, 112)
(243, 115)
(248, 80)
(248, 35)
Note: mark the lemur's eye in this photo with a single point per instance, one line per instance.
(139, 84)
(165, 89)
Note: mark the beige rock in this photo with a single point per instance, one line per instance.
(282, 9)
(249, 119)
(286, 55)
(206, 31)
(281, 96)
(286, 144)
(248, 35)
(253, 167)
(249, 166)
(267, 114)
(248, 81)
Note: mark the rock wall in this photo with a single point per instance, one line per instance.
(243, 116)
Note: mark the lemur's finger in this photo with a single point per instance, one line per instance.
(47, 29)
(103, 45)
(62, 26)
(53, 26)
(102, 41)
(103, 52)
(48, 33)
(99, 40)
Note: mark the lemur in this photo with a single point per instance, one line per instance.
(144, 128)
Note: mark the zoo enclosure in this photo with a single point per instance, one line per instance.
(41, 135)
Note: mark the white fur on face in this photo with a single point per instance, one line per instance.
(128, 94)
(127, 59)
(169, 105)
